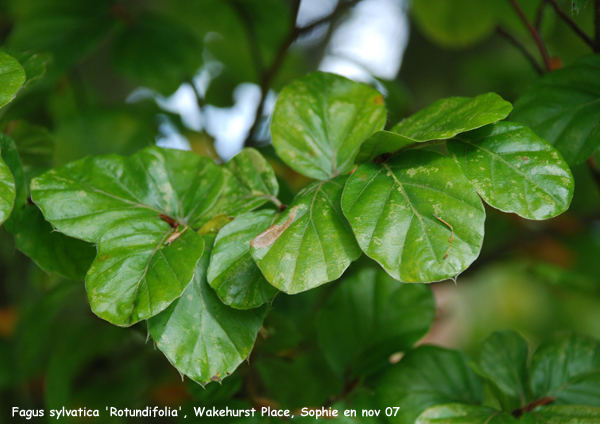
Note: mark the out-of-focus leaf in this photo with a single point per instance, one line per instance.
(563, 107)
(156, 52)
(320, 121)
(310, 243)
(503, 362)
(514, 170)
(203, 338)
(369, 317)
(425, 377)
(577, 5)
(12, 77)
(567, 368)
(220, 90)
(109, 131)
(441, 120)
(457, 23)
(68, 29)
(416, 214)
(233, 273)
(35, 146)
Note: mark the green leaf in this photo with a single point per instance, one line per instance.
(310, 243)
(369, 317)
(441, 120)
(563, 107)
(256, 176)
(137, 272)
(503, 362)
(468, 414)
(425, 377)
(568, 369)
(35, 146)
(12, 77)
(52, 251)
(157, 52)
(11, 159)
(416, 214)
(233, 273)
(577, 5)
(320, 121)
(203, 338)
(567, 414)
(7, 191)
(138, 209)
(514, 170)
(456, 23)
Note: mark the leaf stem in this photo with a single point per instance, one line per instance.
(534, 34)
(517, 413)
(565, 17)
(513, 40)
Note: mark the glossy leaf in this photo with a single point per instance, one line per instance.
(567, 414)
(12, 77)
(233, 273)
(458, 23)
(310, 243)
(138, 271)
(503, 362)
(568, 369)
(514, 170)
(203, 338)
(416, 214)
(157, 52)
(563, 107)
(425, 377)
(255, 175)
(138, 209)
(321, 120)
(441, 120)
(369, 317)
(11, 159)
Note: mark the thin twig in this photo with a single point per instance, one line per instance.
(565, 17)
(513, 40)
(269, 73)
(534, 33)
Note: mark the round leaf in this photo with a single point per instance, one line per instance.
(310, 243)
(233, 273)
(514, 170)
(201, 337)
(12, 77)
(369, 317)
(441, 120)
(321, 120)
(425, 377)
(417, 215)
(563, 107)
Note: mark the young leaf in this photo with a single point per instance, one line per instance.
(203, 338)
(256, 176)
(416, 214)
(233, 273)
(369, 317)
(425, 377)
(563, 107)
(12, 77)
(469, 414)
(157, 52)
(310, 243)
(441, 120)
(503, 362)
(321, 120)
(568, 369)
(138, 271)
(514, 170)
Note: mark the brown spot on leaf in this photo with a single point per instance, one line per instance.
(378, 100)
(103, 258)
(271, 234)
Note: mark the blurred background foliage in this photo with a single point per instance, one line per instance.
(110, 76)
